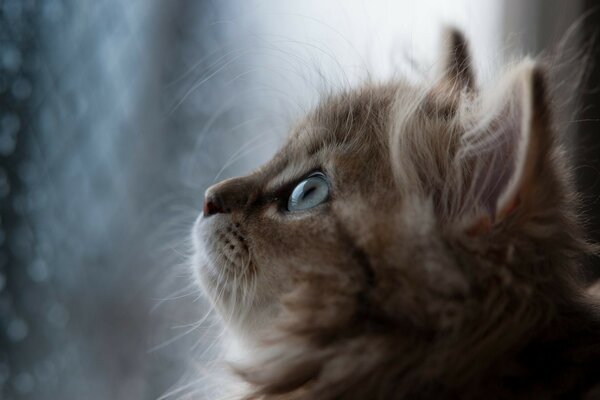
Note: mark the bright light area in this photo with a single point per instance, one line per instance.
(381, 37)
(296, 51)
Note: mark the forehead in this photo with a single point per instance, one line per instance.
(351, 123)
(350, 118)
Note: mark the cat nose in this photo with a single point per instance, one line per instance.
(225, 197)
(211, 206)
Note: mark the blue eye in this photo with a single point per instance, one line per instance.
(309, 193)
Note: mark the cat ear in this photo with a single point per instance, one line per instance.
(456, 78)
(457, 69)
(505, 155)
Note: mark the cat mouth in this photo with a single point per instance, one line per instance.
(230, 243)
(227, 255)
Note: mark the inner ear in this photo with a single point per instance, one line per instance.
(506, 157)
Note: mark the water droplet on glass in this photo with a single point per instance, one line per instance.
(10, 58)
(4, 373)
(21, 89)
(27, 172)
(12, 10)
(58, 315)
(21, 241)
(9, 127)
(17, 330)
(6, 307)
(52, 10)
(19, 203)
(3, 83)
(4, 184)
(38, 270)
(23, 383)
(45, 373)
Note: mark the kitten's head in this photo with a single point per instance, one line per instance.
(436, 212)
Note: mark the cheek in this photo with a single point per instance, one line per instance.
(283, 247)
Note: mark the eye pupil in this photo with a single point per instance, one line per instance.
(309, 193)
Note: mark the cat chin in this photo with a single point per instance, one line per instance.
(205, 266)
(220, 258)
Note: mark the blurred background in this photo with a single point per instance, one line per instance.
(116, 115)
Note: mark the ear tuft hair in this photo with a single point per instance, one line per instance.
(458, 71)
(457, 77)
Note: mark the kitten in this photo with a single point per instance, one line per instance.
(409, 242)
